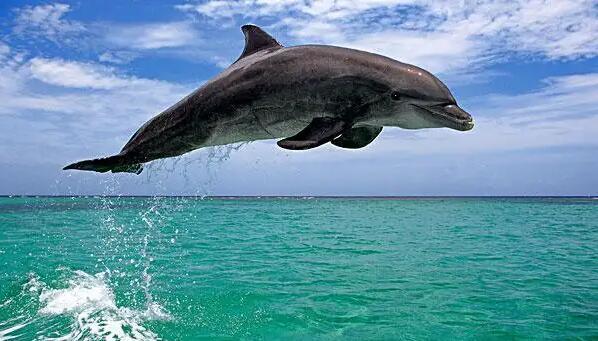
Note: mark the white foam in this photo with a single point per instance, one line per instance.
(85, 291)
(91, 302)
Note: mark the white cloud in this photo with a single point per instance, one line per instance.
(325, 9)
(153, 35)
(442, 51)
(112, 92)
(46, 20)
(75, 75)
(248, 8)
(563, 99)
(72, 108)
(556, 29)
(4, 49)
(315, 30)
(118, 40)
(445, 36)
(78, 75)
(117, 57)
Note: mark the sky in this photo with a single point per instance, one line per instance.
(77, 78)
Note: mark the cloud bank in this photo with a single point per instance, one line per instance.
(443, 36)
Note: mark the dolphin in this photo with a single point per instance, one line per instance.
(305, 95)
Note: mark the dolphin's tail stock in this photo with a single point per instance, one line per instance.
(116, 164)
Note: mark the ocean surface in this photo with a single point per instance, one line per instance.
(111, 268)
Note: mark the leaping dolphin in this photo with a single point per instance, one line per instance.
(308, 95)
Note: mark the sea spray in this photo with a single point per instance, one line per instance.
(73, 306)
(149, 217)
(91, 303)
(123, 252)
(208, 161)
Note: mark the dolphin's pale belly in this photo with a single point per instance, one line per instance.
(246, 133)
(259, 123)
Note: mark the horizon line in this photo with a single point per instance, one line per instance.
(290, 196)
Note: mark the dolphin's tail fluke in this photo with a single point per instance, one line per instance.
(116, 164)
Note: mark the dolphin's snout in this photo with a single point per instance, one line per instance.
(456, 112)
(449, 115)
(460, 115)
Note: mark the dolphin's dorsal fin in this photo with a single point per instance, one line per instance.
(256, 40)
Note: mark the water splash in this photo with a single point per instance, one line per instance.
(124, 252)
(208, 160)
(86, 301)
(125, 258)
(90, 301)
(149, 218)
(83, 293)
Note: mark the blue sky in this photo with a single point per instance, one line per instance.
(78, 78)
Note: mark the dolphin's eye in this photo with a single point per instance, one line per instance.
(395, 96)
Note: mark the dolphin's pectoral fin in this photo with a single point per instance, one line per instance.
(357, 137)
(321, 130)
(256, 40)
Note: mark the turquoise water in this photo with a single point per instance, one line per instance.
(325, 269)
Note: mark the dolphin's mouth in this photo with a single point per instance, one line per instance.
(450, 116)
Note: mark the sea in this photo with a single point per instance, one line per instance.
(298, 268)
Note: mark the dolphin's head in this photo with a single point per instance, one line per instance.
(414, 99)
